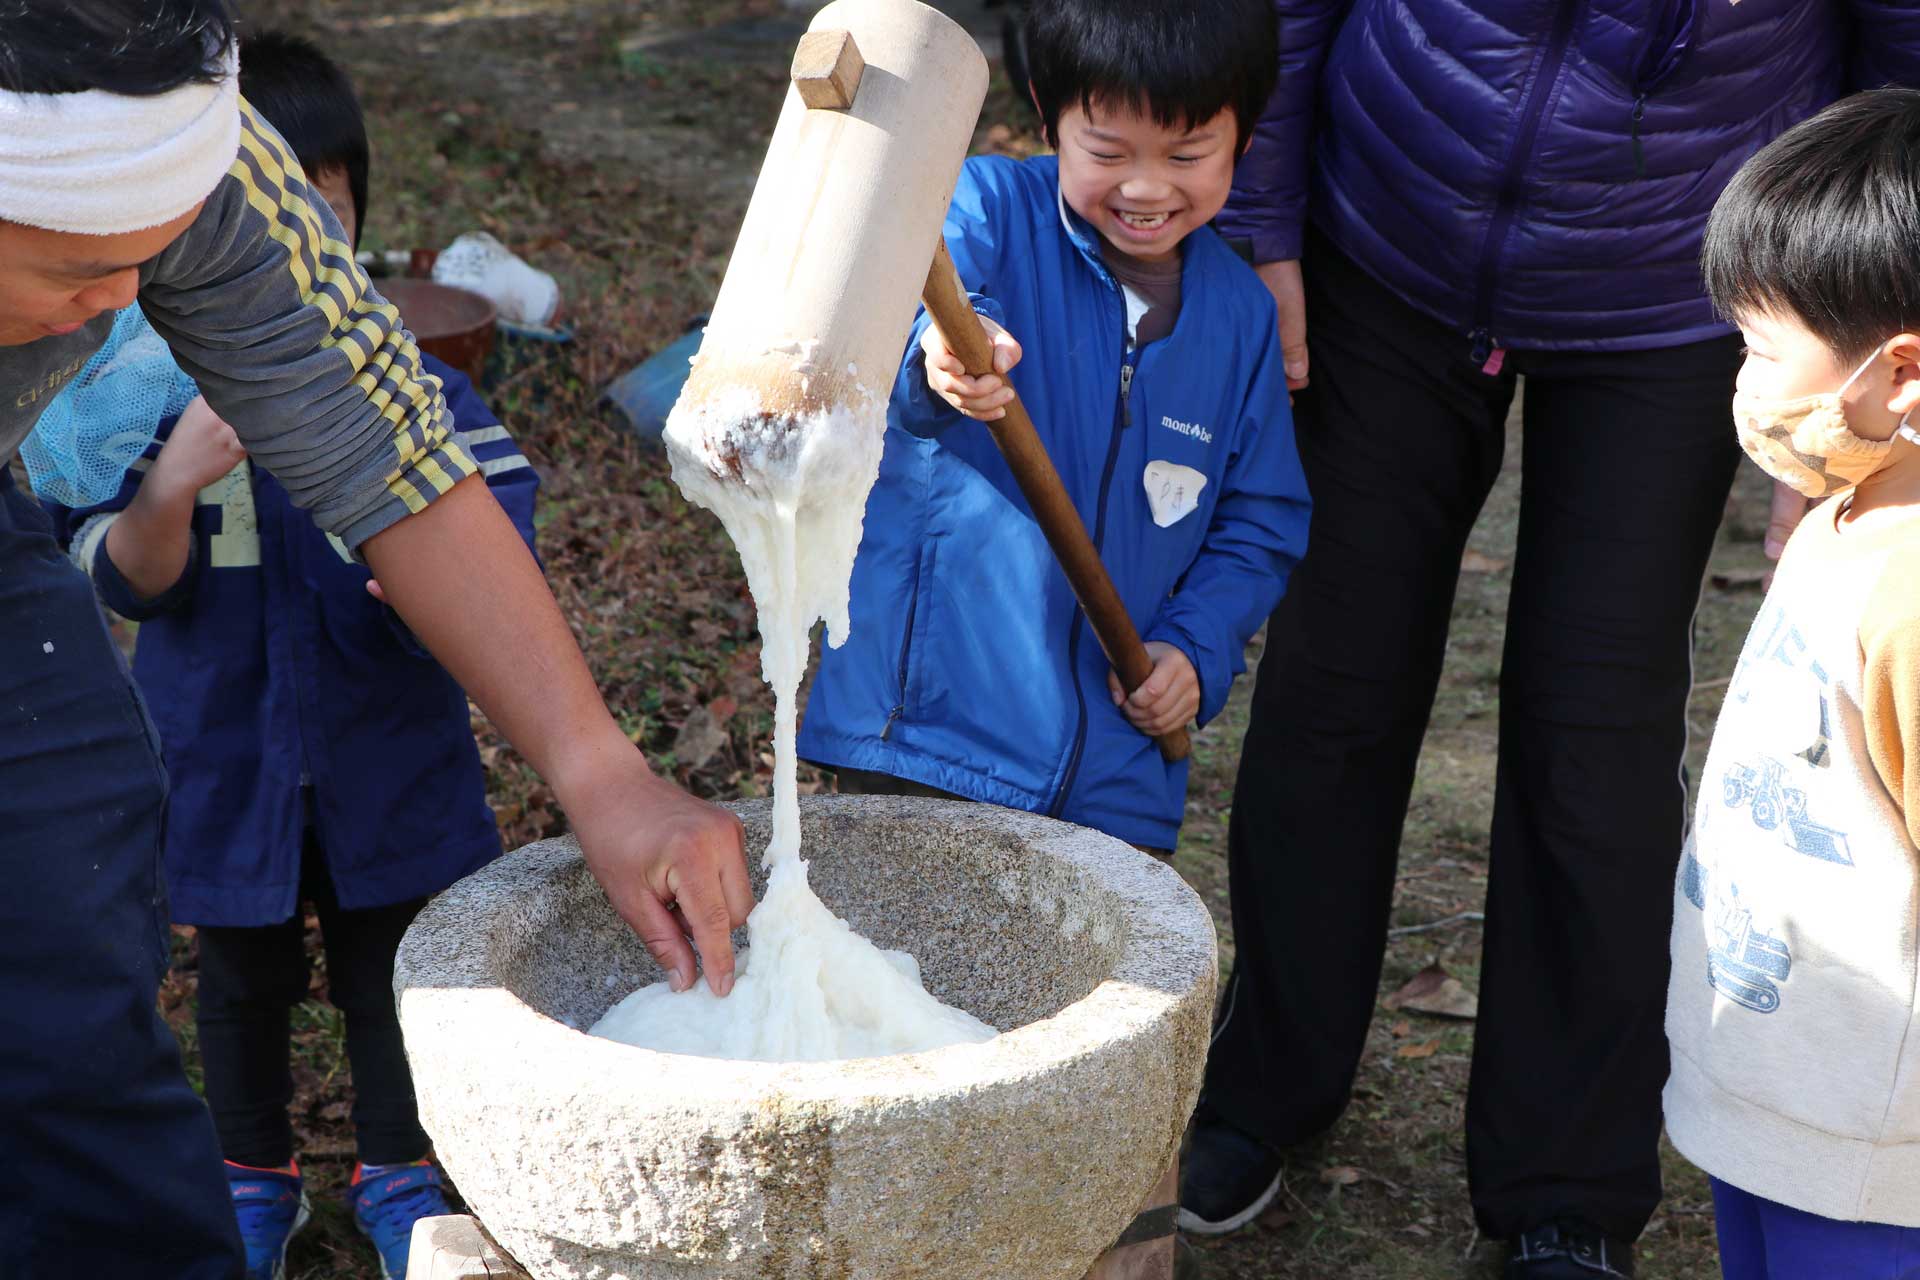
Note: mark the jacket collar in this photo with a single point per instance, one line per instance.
(1079, 230)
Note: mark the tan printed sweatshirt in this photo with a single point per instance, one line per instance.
(1792, 1009)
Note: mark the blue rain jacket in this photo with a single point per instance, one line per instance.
(969, 666)
(268, 669)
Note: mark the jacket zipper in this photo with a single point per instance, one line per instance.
(1483, 341)
(906, 648)
(1122, 418)
(1676, 36)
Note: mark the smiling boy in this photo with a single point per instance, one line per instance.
(1152, 371)
(1793, 1013)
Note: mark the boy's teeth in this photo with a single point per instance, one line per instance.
(1143, 219)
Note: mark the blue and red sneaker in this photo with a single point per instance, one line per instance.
(270, 1204)
(387, 1200)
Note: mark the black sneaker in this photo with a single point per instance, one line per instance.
(1568, 1251)
(1226, 1178)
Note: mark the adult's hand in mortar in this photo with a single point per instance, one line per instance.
(463, 581)
(671, 865)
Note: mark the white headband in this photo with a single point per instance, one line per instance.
(101, 164)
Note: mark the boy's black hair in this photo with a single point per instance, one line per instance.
(134, 47)
(1181, 63)
(310, 102)
(1823, 226)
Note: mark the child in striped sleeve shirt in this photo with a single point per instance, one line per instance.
(302, 728)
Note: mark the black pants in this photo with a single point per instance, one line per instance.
(1628, 460)
(250, 980)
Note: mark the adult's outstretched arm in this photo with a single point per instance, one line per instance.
(464, 581)
(263, 306)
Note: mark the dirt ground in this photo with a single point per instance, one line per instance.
(615, 144)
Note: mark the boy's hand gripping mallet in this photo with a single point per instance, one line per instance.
(946, 301)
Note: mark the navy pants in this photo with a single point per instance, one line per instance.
(1627, 463)
(1763, 1240)
(108, 1165)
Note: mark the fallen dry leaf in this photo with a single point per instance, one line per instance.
(1425, 1049)
(1478, 562)
(703, 734)
(1433, 990)
(1403, 1028)
(1340, 1175)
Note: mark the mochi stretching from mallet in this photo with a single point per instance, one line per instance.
(779, 433)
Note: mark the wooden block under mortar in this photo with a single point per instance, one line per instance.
(456, 1247)
(1150, 1257)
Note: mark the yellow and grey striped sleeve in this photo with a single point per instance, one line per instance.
(264, 307)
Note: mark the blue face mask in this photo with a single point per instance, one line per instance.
(104, 419)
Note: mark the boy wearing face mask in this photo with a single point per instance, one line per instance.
(1793, 1013)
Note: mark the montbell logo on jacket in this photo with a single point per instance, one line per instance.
(969, 667)
(1537, 173)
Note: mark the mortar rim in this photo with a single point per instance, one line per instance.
(1168, 950)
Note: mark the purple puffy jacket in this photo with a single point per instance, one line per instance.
(1537, 173)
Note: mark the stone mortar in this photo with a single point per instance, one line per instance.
(1018, 1159)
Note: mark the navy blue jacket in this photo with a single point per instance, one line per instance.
(968, 665)
(1538, 173)
(269, 669)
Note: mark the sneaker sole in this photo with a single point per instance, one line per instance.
(300, 1220)
(1192, 1222)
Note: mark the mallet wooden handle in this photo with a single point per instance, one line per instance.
(946, 300)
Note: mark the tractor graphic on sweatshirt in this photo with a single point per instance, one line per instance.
(1773, 804)
(1744, 963)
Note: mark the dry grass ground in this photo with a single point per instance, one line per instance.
(614, 144)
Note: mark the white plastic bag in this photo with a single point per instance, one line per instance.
(523, 294)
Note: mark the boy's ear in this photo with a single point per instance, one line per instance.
(1905, 350)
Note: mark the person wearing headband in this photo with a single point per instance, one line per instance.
(131, 170)
(1792, 1009)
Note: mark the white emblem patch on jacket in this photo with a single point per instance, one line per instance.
(1172, 490)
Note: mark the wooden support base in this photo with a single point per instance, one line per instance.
(456, 1248)
(1145, 1249)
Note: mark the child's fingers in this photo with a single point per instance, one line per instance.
(1166, 724)
(1114, 688)
(1153, 689)
(1152, 723)
(945, 362)
(983, 405)
(934, 344)
(1164, 719)
(965, 386)
(1006, 350)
